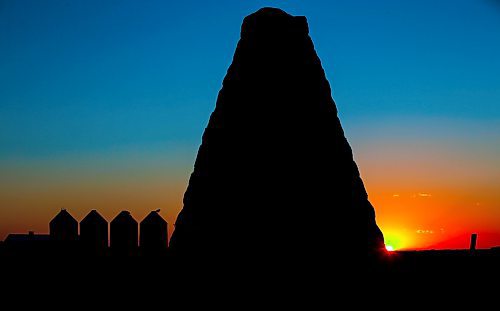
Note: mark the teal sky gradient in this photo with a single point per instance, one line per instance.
(83, 76)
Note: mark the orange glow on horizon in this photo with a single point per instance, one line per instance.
(426, 196)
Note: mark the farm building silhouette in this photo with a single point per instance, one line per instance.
(63, 238)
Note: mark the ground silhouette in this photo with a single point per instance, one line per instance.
(274, 177)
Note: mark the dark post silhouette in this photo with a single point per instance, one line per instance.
(473, 240)
(123, 235)
(94, 233)
(63, 227)
(153, 234)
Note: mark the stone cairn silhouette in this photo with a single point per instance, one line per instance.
(274, 176)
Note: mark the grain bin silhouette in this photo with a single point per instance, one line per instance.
(94, 233)
(153, 237)
(63, 227)
(123, 234)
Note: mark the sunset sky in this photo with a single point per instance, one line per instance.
(103, 104)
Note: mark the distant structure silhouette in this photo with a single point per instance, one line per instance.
(123, 235)
(30, 237)
(153, 234)
(274, 176)
(64, 241)
(63, 227)
(29, 245)
(473, 241)
(94, 233)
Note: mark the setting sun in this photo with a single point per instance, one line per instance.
(389, 248)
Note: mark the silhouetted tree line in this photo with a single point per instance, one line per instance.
(63, 238)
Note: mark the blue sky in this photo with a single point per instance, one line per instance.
(82, 76)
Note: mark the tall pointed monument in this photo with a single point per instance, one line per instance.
(275, 175)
